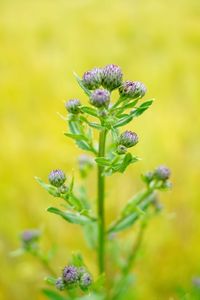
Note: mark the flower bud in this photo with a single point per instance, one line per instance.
(57, 178)
(111, 77)
(148, 177)
(162, 173)
(73, 106)
(85, 280)
(60, 285)
(132, 89)
(100, 98)
(29, 236)
(92, 79)
(70, 275)
(128, 139)
(121, 149)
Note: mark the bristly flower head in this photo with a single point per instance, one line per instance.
(128, 139)
(100, 98)
(57, 178)
(111, 77)
(162, 173)
(85, 280)
(92, 79)
(73, 106)
(70, 274)
(60, 285)
(132, 89)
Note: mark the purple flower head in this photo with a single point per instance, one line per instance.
(60, 285)
(57, 178)
(128, 139)
(70, 274)
(162, 173)
(111, 77)
(30, 235)
(132, 89)
(100, 98)
(73, 106)
(92, 79)
(85, 280)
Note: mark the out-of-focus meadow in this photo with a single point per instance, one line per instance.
(42, 43)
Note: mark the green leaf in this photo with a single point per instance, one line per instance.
(89, 110)
(88, 92)
(50, 280)
(77, 137)
(102, 161)
(134, 201)
(99, 283)
(52, 190)
(95, 125)
(71, 217)
(141, 109)
(128, 159)
(129, 220)
(123, 121)
(77, 259)
(52, 295)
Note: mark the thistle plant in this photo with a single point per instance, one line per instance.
(112, 153)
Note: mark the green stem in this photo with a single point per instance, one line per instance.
(101, 195)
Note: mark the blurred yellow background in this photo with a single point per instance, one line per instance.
(42, 43)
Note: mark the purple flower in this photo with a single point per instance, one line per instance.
(60, 285)
(92, 79)
(85, 280)
(100, 98)
(132, 89)
(70, 274)
(30, 235)
(57, 178)
(111, 77)
(73, 106)
(162, 173)
(128, 139)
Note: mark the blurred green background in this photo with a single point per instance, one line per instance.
(42, 43)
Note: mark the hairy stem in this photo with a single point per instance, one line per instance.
(101, 195)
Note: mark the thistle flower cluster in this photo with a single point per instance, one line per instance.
(73, 276)
(159, 177)
(101, 82)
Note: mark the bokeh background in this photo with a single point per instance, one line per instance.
(42, 43)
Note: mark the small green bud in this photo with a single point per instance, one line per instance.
(85, 281)
(121, 149)
(128, 139)
(73, 106)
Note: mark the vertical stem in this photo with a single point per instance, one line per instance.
(101, 195)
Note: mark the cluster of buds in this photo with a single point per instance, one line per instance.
(73, 276)
(100, 82)
(127, 139)
(159, 177)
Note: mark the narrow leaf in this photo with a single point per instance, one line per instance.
(89, 110)
(71, 217)
(52, 295)
(77, 137)
(88, 92)
(49, 188)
